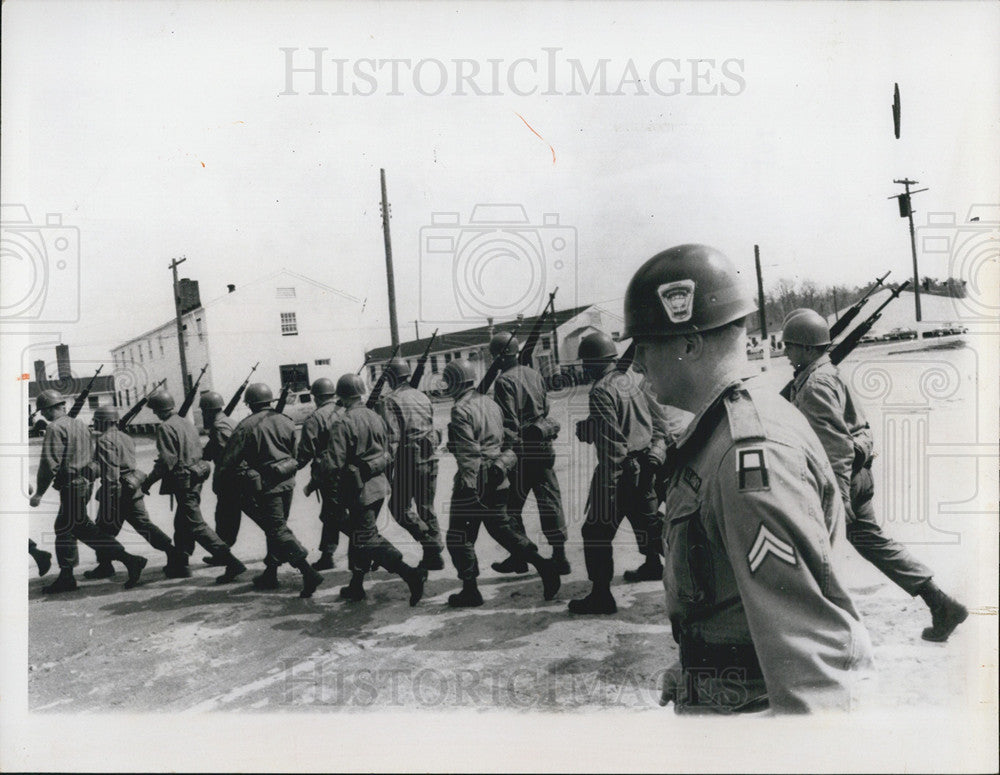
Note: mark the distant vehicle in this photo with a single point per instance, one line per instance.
(870, 339)
(900, 334)
(300, 405)
(948, 329)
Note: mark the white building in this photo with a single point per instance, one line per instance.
(298, 329)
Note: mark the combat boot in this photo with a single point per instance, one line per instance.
(650, 570)
(510, 565)
(599, 601)
(268, 579)
(432, 558)
(134, 565)
(559, 559)
(104, 570)
(64, 583)
(43, 560)
(177, 565)
(355, 591)
(311, 579)
(469, 597)
(325, 562)
(216, 560)
(415, 579)
(234, 568)
(946, 613)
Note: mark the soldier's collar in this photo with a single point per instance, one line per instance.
(705, 415)
(802, 376)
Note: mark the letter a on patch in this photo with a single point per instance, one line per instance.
(752, 471)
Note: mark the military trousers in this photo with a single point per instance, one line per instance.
(333, 519)
(228, 514)
(533, 474)
(469, 511)
(269, 510)
(367, 545)
(118, 505)
(885, 553)
(613, 496)
(72, 524)
(411, 501)
(189, 526)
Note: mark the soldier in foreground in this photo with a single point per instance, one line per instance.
(66, 453)
(262, 454)
(120, 498)
(410, 418)
(313, 441)
(752, 508)
(630, 435)
(479, 494)
(357, 457)
(523, 399)
(182, 472)
(228, 514)
(825, 400)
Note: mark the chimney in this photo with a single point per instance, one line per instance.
(187, 291)
(40, 371)
(489, 323)
(62, 362)
(520, 317)
(231, 287)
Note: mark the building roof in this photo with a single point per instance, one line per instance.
(105, 383)
(471, 337)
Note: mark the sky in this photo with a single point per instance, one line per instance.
(165, 129)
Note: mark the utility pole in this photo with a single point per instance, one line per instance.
(906, 211)
(761, 310)
(836, 308)
(390, 279)
(416, 328)
(555, 333)
(185, 379)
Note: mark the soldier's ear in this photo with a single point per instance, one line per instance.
(694, 346)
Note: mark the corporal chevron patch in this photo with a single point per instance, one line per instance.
(768, 543)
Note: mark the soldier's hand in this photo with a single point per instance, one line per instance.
(35, 500)
(309, 489)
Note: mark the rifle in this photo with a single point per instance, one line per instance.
(132, 413)
(494, 370)
(838, 328)
(418, 373)
(377, 389)
(189, 398)
(524, 357)
(235, 400)
(282, 399)
(82, 398)
(625, 362)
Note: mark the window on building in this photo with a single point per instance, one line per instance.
(289, 326)
(546, 344)
(371, 372)
(159, 341)
(434, 364)
(285, 293)
(119, 396)
(295, 375)
(149, 345)
(93, 402)
(197, 326)
(447, 357)
(139, 348)
(322, 361)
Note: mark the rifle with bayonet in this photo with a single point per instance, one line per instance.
(838, 328)
(132, 413)
(418, 373)
(82, 398)
(528, 349)
(494, 370)
(282, 398)
(376, 393)
(189, 398)
(235, 400)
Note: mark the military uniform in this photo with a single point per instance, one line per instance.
(228, 513)
(182, 471)
(521, 395)
(752, 509)
(409, 417)
(821, 395)
(313, 442)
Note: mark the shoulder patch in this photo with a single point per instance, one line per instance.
(691, 479)
(768, 543)
(751, 470)
(744, 421)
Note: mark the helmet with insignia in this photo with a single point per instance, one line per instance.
(684, 290)
(805, 327)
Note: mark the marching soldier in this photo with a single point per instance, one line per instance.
(522, 397)
(412, 442)
(314, 440)
(220, 429)
(262, 453)
(120, 497)
(479, 494)
(752, 508)
(66, 454)
(629, 432)
(356, 458)
(42, 558)
(826, 401)
(181, 473)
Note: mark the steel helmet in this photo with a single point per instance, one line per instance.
(685, 290)
(805, 327)
(597, 346)
(210, 400)
(105, 414)
(350, 386)
(504, 344)
(323, 387)
(258, 394)
(457, 374)
(399, 371)
(49, 398)
(160, 401)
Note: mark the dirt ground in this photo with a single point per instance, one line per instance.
(172, 645)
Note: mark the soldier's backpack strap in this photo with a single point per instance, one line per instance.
(744, 420)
